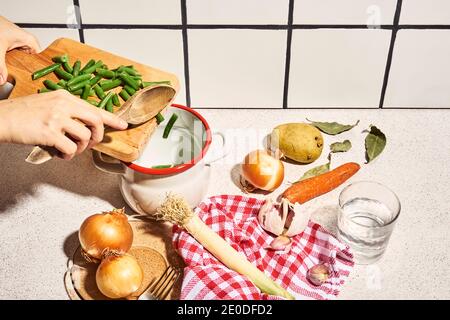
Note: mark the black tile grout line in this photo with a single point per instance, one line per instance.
(134, 26)
(387, 70)
(185, 52)
(86, 26)
(288, 54)
(77, 8)
(341, 26)
(239, 26)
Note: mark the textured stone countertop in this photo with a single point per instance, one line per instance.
(41, 207)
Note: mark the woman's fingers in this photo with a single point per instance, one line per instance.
(66, 146)
(112, 120)
(96, 118)
(32, 44)
(3, 69)
(78, 132)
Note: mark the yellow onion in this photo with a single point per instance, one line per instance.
(118, 276)
(262, 171)
(106, 231)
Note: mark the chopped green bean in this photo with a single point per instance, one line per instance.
(91, 69)
(130, 71)
(78, 92)
(115, 100)
(76, 68)
(61, 59)
(93, 102)
(105, 100)
(159, 118)
(62, 83)
(99, 92)
(67, 67)
(77, 79)
(163, 166)
(86, 91)
(78, 85)
(122, 67)
(129, 89)
(45, 71)
(49, 84)
(129, 81)
(109, 105)
(169, 126)
(118, 68)
(110, 84)
(107, 74)
(43, 90)
(153, 83)
(87, 66)
(95, 80)
(62, 74)
(124, 95)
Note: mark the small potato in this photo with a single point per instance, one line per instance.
(300, 142)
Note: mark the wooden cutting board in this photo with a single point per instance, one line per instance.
(124, 145)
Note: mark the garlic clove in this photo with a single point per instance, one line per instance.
(271, 219)
(281, 243)
(318, 274)
(297, 220)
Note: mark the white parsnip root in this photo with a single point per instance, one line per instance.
(177, 211)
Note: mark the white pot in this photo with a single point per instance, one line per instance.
(144, 187)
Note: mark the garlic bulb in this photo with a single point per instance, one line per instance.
(318, 274)
(297, 221)
(287, 220)
(281, 243)
(270, 218)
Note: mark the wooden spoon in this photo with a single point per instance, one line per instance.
(144, 105)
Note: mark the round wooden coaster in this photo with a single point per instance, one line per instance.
(152, 247)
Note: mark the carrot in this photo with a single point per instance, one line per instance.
(311, 188)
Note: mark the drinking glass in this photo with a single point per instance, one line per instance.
(367, 215)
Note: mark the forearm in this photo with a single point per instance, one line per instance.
(5, 119)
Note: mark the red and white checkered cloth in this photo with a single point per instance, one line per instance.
(235, 219)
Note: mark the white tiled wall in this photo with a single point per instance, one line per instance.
(130, 11)
(425, 12)
(42, 11)
(159, 48)
(237, 11)
(47, 35)
(344, 11)
(337, 68)
(420, 75)
(237, 67)
(235, 53)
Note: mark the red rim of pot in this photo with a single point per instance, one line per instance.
(184, 166)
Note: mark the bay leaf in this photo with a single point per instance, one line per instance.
(375, 143)
(316, 171)
(332, 128)
(343, 146)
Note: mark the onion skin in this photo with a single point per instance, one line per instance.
(119, 276)
(262, 170)
(106, 231)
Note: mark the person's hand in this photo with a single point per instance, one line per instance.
(57, 119)
(11, 37)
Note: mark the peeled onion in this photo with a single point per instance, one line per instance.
(262, 170)
(106, 231)
(118, 276)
